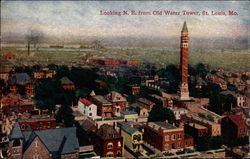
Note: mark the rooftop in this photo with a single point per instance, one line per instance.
(101, 99)
(66, 80)
(145, 101)
(162, 125)
(85, 101)
(197, 126)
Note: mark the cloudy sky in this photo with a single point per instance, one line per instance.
(82, 19)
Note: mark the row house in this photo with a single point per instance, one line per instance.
(234, 126)
(214, 129)
(145, 103)
(169, 138)
(118, 101)
(37, 123)
(132, 135)
(51, 143)
(67, 84)
(108, 142)
(104, 107)
(195, 130)
(87, 108)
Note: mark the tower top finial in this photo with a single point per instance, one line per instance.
(184, 28)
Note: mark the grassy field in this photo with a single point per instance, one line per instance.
(233, 60)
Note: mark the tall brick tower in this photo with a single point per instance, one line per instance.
(184, 92)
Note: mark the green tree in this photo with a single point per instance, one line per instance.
(158, 113)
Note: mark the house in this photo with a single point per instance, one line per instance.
(129, 115)
(145, 103)
(118, 101)
(108, 142)
(166, 137)
(52, 143)
(104, 107)
(195, 130)
(133, 137)
(240, 98)
(133, 89)
(234, 126)
(67, 84)
(9, 56)
(178, 112)
(43, 73)
(43, 123)
(162, 100)
(214, 129)
(87, 108)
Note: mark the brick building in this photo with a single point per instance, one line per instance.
(234, 126)
(145, 103)
(104, 107)
(48, 144)
(108, 142)
(37, 123)
(118, 101)
(166, 137)
(67, 84)
(195, 130)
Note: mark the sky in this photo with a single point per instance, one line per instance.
(71, 19)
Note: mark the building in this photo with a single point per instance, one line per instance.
(52, 143)
(145, 103)
(166, 137)
(9, 56)
(238, 152)
(160, 99)
(133, 89)
(234, 126)
(108, 142)
(129, 115)
(104, 107)
(14, 103)
(118, 101)
(44, 73)
(195, 130)
(67, 84)
(87, 108)
(214, 129)
(133, 137)
(43, 123)
(184, 92)
(240, 99)
(178, 112)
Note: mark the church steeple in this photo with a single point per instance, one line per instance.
(184, 28)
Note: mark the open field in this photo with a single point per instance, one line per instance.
(234, 60)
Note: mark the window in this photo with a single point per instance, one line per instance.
(117, 110)
(179, 144)
(89, 108)
(173, 137)
(167, 138)
(119, 144)
(110, 154)
(110, 145)
(118, 154)
(166, 147)
(90, 114)
(16, 143)
(23, 126)
(179, 136)
(48, 124)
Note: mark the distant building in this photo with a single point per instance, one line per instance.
(195, 130)
(52, 143)
(166, 137)
(37, 123)
(108, 142)
(133, 137)
(118, 101)
(87, 108)
(178, 112)
(44, 73)
(214, 129)
(234, 126)
(240, 99)
(145, 103)
(9, 56)
(129, 115)
(133, 89)
(104, 107)
(67, 84)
